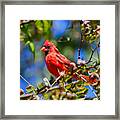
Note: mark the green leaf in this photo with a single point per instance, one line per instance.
(29, 33)
(46, 27)
(68, 86)
(46, 96)
(21, 38)
(40, 86)
(30, 89)
(39, 25)
(32, 47)
(28, 42)
(83, 91)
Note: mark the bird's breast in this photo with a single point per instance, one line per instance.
(51, 64)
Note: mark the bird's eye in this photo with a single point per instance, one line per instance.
(47, 47)
(44, 46)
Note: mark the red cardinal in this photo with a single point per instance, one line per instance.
(56, 62)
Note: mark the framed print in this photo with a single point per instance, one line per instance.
(60, 59)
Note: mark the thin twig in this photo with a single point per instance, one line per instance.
(92, 53)
(56, 87)
(25, 80)
(23, 23)
(88, 85)
(56, 80)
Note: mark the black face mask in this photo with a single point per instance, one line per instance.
(47, 51)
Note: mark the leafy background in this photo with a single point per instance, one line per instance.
(68, 36)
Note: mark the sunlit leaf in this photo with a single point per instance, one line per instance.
(39, 25)
(40, 85)
(68, 86)
(46, 26)
(21, 38)
(46, 96)
(32, 47)
(28, 42)
(30, 88)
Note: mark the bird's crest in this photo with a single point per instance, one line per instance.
(48, 43)
(51, 45)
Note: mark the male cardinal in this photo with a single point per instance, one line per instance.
(56, 62)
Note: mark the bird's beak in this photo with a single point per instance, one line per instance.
(42, 49)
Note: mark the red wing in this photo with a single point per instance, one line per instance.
(57, 60)
(61, 58)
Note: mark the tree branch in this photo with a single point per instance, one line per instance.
(98, 45)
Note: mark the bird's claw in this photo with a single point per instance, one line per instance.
(62, 73)
(73, 65)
